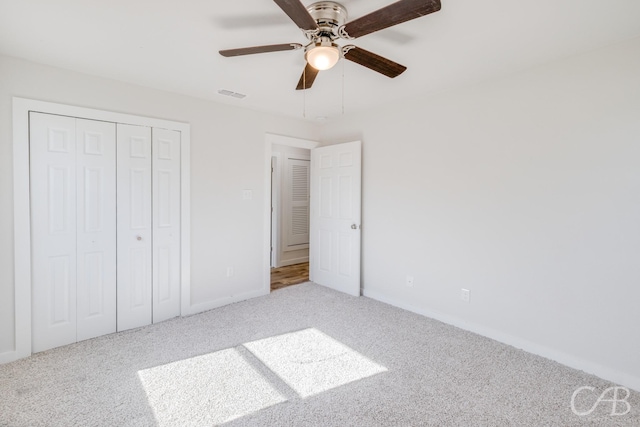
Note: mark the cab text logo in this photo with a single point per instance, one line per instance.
(617, 397)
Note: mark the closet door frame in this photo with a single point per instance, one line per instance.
(22, 209)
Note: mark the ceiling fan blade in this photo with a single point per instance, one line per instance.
(394, 14)
(307, 78)
(373, 62)
(298, 14)
(260, 49)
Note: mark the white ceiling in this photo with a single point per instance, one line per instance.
(172, 45)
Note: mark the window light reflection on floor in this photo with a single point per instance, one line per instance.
(206, 390)
(219, 387)
(311, 362)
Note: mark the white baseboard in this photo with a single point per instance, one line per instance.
(604, 372)
(8, 356)
(220, 302)
(294, 261)
(11, 356)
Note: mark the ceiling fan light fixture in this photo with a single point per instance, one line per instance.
(322, 56)
(323, 22)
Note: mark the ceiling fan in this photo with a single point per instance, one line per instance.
(324, 22)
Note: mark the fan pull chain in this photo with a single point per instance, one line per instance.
(342, 87)
(304, 93)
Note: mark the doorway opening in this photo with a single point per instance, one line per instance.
(335, 214)
(289, 197)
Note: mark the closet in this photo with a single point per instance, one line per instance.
(105, 227)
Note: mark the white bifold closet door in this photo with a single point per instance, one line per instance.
(105, 228)
(148, 225)
(166, 224)
(73, 229)
(135, 232)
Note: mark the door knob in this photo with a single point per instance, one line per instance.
(354, 227)
(138, 238)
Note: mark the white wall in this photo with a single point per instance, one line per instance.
(227, 156)
(287, 257)
(524, 190)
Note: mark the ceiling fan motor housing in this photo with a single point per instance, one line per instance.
(330, 16)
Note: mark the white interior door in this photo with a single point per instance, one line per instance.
(166, 224)
(134, 226)
(335, 217)
(96, 228)
(53, 230)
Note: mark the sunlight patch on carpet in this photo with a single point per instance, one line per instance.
(205, 390)
(311, 362)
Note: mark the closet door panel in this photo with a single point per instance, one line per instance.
(53, 230)
(134, 213)
(166, 224)
(96, 228)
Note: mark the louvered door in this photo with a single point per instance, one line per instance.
(297, 204)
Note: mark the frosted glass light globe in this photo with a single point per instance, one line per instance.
(323, 57)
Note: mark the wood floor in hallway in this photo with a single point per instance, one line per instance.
(282, 277)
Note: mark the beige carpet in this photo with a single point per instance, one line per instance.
(302, 356)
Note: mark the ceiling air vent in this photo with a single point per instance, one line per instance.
(232, 94)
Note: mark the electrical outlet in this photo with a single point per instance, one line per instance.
(410, 281)
(229, 271)
(464, 295)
